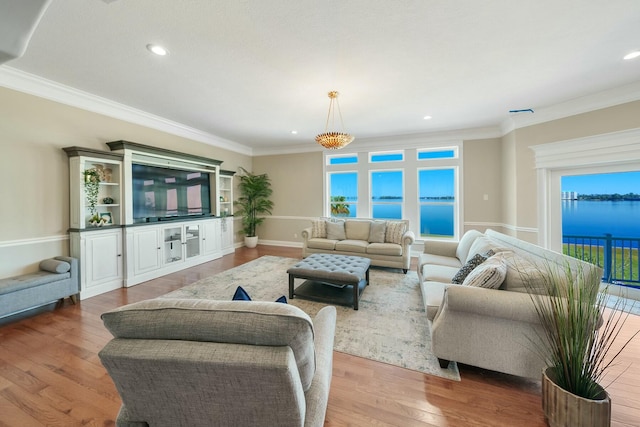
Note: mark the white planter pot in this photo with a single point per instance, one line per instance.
(251, 242)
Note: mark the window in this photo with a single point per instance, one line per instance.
(343, 194)
(387, 194)
(396, 156)
(437, 202)
(419, 184)
(342, 160)
(437, 154)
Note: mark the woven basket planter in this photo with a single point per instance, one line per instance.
(564, 409)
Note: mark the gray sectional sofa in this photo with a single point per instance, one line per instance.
(387, 243)
(493, 328)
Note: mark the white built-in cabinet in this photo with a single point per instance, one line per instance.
(115, 252)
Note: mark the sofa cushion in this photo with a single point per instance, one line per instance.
(377, 231)
(490, 274)
(439, 273)
(468, 267)
(357, 230)
(394, 232)
(319, 228)
(481, 245)
(325, 244)
(54, 266)
(440, 260)
(462, 251)
(432, 296)
(335, 230)
(520, 271)
(357, 246)
(240, 322)
(384, 249)
(25, 281)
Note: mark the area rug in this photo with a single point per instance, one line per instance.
(390, 326)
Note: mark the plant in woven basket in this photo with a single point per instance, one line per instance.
(580, 336)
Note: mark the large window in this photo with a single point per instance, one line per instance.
(387, 194)
(343, 194)
(437, 202)
(419, 184)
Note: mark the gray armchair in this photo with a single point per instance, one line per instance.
(218, 363)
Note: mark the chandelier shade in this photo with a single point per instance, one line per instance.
(334, 140)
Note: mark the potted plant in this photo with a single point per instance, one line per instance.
(91, 189)
(339, 207)
(577, 342)
(252, 202)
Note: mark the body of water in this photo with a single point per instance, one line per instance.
(579, 217)
(596, 218)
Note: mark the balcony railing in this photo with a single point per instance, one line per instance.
(618, 256)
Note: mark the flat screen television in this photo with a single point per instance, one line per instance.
(161, 193)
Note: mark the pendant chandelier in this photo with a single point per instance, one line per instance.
(334, 140)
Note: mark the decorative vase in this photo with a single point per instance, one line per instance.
(251, 242)
(564, 409)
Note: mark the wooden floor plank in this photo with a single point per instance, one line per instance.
(50, 373)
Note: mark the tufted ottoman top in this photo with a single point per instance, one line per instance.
(342, 268)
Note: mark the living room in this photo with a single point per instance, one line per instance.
(38, 117)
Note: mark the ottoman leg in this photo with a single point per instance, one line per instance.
(356, 295)
(290, 286)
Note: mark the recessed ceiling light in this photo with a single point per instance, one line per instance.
(427, 117)
(294, 132)
(632, 55)
(157, 49)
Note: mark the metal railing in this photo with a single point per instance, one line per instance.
(618, 256)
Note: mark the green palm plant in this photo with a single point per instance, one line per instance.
(253, 201)
(339, 207)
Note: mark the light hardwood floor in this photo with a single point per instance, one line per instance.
(50, 374)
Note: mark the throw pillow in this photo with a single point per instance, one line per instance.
(319, 229)
(395, 231)
(335, 230)
(242, 295)
(468, 267)
(54, 266)
(490, 274)
(377, 231)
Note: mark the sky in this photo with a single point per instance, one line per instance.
(609, 183)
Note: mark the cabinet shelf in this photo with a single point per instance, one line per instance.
(103, 205)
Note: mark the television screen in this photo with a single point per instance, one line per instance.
(162, 192)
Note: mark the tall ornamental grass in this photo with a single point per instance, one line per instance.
(578, 334)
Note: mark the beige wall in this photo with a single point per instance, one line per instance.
(520, 200)
(34, 171)
(482, 176)
(297, 193)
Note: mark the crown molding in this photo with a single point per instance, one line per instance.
(584, 104)
(43, 88)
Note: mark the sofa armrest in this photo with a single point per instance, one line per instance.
(306, 233)
(489, 302)
(408, 238)
(324, 326)
(442, 248)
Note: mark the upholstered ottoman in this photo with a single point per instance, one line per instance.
(334, 279)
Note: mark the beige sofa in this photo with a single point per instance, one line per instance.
(385, 243)
(495, 329)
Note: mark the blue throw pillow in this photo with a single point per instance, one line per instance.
(242, 295)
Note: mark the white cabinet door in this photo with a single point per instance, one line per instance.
(211, 237)
(146, 250)
(226, 227)
(102, 262)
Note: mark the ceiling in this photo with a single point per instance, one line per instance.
(252, 71)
